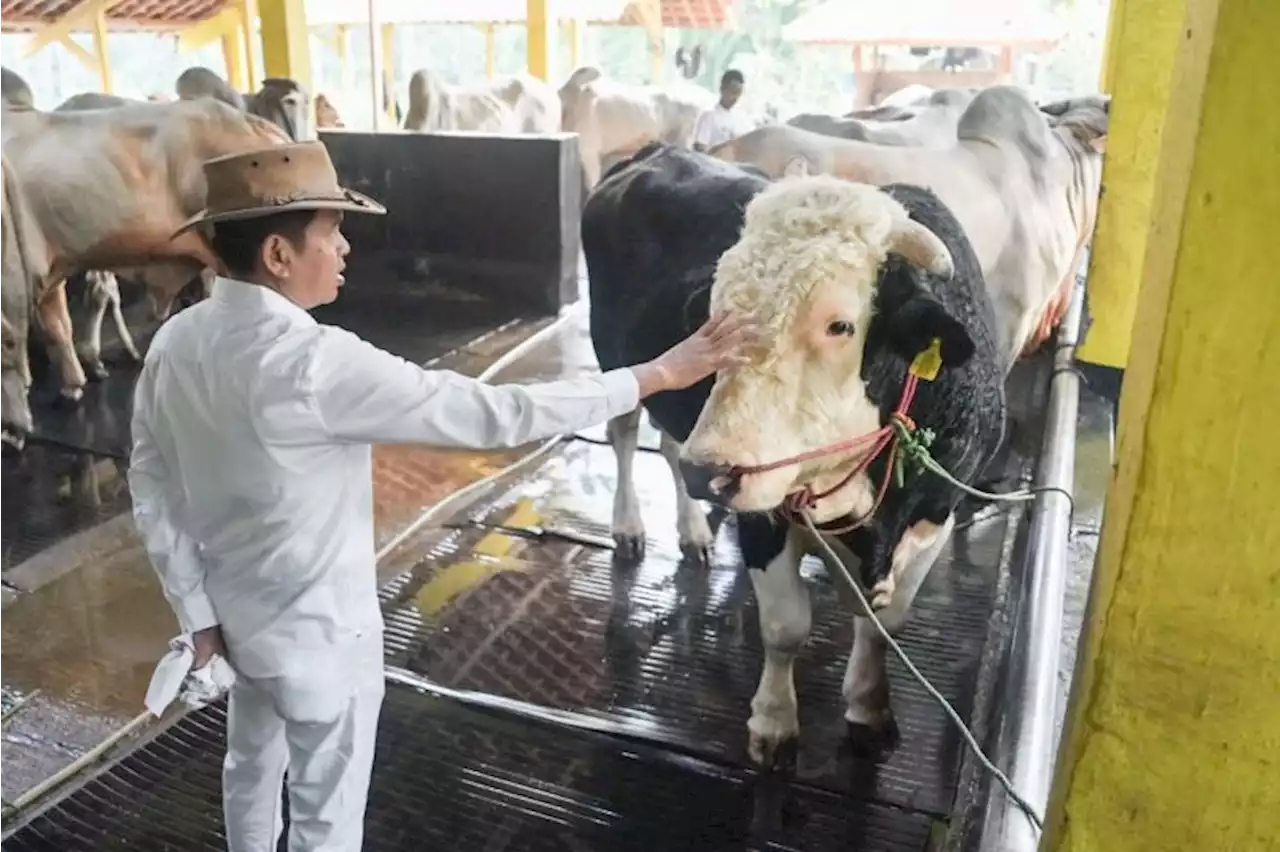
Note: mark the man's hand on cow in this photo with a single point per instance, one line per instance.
(207, 643)
(721, 342)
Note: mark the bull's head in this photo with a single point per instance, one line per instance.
(283, 101)
(808, 268)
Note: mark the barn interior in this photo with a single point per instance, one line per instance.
(541, 695)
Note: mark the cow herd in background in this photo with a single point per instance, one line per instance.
(960, 215)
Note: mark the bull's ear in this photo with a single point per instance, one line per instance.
(914, 326)
(913, 318)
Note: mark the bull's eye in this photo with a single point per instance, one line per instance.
(839, 328)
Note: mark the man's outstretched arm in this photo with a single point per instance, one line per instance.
(363, 394)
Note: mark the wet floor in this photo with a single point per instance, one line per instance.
(84, 621)
(508, 629)
(101, 626)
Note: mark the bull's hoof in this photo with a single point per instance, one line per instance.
(70, 396)
(773, 740)
(12, 440)
(876, 741)
(628, 548)
(95, 371)
(695, 555)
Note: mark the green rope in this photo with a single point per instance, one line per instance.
(913, 450)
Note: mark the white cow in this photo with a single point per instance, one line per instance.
(518, 103)
(614, 120)
(1023, 180)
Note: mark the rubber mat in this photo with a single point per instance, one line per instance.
(448, 777)
(47, 495)
(674, 652)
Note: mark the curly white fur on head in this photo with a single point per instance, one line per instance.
(798, 233)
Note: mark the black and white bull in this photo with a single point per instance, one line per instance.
(850, 282)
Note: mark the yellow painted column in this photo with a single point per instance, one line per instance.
(575, 32)
(285, 40)
(248, 20)
(1173, 734)
(389, 70)
(540, 19)
(1143, 38)
(100, 48)
(233, 55)
(490, 53)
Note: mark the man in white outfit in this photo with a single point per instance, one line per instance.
(720, 123)
(251, 478)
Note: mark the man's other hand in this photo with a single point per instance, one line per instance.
(207, 643)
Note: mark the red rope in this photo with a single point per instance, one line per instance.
(886, 437)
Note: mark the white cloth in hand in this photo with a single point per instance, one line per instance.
(174, 677)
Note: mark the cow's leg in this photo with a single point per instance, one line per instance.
(696, 537)
(772, 553)
(122, 327)
(866, 686)
(628, 524)
(89, 344)
(55, 319)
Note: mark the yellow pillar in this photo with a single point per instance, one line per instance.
(285, 48)
(389, 69)
(540, 20)
(490, 55)
(233, 55)
(575, 31)
(1173, 736)
(248, 17)
(1142, 42)
(100, 48)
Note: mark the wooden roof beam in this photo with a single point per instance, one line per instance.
(80, 17)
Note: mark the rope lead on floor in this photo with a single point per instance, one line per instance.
(1023, 804)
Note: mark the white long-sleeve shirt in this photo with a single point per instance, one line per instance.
(251, 471)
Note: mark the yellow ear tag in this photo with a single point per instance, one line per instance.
(927, 364)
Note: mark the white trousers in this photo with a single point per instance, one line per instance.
(321, 726)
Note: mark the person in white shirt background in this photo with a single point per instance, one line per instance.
(720, 123)
(251, 477)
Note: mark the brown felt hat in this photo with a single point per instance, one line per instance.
(297, 176)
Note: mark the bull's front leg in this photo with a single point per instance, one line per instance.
(772, 553)
(628, 525)
(866, 685)
(695, 533)
(55, 320)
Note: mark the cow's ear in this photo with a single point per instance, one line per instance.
(914, 318)
(1099, 143)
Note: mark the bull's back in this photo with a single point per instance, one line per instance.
(652, 233)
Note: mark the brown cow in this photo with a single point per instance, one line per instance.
(326, 113)
(1023, 182)
(109, 187)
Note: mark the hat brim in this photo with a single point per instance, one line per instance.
(352, 202)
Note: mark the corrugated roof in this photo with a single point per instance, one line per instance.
(124, 14)
(940, 23)
(173, 14)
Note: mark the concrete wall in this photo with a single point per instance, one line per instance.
(493, 217)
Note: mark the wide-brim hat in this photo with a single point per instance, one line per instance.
(278, 179)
